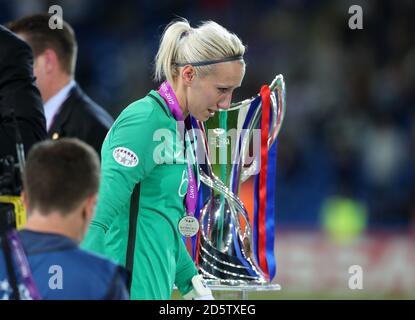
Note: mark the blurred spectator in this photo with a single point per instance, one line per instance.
(69, 111)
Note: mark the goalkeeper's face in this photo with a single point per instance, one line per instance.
(207, 94)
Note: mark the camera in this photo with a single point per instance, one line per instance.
(11, 207)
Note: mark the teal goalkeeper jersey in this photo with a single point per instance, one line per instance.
(144, 152)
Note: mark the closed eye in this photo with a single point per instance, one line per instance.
(223, 90)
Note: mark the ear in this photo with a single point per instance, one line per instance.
(51, 61)
(188, 74)
(90, 206)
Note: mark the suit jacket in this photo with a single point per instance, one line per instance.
(19, 93)
(80, 117)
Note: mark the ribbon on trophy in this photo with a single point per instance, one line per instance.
(264, 195)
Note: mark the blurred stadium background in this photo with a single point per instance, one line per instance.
(346, 157)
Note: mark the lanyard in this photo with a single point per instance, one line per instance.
(167, 93)
(22, 264)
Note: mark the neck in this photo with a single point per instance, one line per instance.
(54, 222)
(56, 84)
(180, 92)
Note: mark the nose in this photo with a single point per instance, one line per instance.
(225, 103)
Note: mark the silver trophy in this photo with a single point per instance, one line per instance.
(225, 253)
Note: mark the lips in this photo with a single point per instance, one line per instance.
(211, 112)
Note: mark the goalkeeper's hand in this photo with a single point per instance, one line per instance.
(200, 291)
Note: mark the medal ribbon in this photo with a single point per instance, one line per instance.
(167, 93)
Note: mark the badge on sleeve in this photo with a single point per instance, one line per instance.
(125, 157)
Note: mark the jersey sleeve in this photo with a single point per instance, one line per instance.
(185, 270)
(127, 158)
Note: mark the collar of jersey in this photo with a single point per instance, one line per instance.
(39, 242)
(162, 103)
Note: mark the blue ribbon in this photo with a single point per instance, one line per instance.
(270, 210)
(241, 258)
(248, 118)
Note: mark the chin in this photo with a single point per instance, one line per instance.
(201, 117)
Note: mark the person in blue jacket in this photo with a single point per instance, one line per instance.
(60, 182)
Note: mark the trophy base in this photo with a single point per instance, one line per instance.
(238, 290)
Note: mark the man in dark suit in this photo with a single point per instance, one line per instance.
(18, 95)
(69, 112)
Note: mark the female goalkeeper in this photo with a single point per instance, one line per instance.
(142, 197)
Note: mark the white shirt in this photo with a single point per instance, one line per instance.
(53, 105)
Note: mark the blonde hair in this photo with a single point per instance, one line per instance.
(181, 44)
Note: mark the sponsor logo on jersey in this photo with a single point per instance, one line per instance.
(125, 157)
(183, 185)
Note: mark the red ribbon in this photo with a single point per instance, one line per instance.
(189, 245)
(266, 102)
(197, 249)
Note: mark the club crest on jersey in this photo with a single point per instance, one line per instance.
(125, 157)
